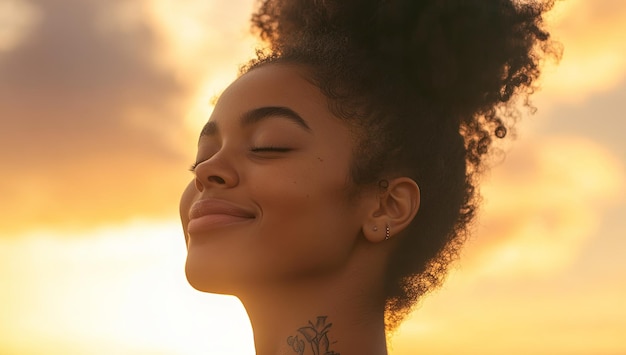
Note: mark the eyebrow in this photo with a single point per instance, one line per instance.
(260, 114)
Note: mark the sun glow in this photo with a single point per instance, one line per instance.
(593, 35)
(17, 19)
(543, 205)
(542, 275)
(210, 45)
(115, 290)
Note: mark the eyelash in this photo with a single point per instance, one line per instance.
(270, 149)
(193, 166)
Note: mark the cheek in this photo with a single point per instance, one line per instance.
(301, 192)
(307, 224)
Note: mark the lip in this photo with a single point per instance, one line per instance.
(212, 213)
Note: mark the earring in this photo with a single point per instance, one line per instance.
(387, 232)
(375, 228)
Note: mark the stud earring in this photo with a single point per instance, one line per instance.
(387, 232)
(375, 228)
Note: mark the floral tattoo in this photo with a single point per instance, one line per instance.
(316, 335)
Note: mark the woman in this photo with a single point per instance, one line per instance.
(335, 180)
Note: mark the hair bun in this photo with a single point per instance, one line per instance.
(476, 52)
(429, 84)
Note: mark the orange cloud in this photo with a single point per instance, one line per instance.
(102, 103)
(205, 42)
(518, 318)
(593, 34)
(92, 128)
(542, 205)
(17, 18)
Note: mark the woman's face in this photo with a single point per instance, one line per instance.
(270, 201)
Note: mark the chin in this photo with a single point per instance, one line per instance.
(205, 280)
(218, 273)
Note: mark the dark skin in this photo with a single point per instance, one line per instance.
(304, 255)
(432, 84)
(285, 210)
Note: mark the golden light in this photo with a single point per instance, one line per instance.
(543, 205)
(521, 284)
(17, 19)
(119, 289)
(204, 43)
(593, 35)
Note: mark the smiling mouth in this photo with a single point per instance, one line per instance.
(211, 213)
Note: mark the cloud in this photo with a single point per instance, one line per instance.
(93, 117)
(593, 34)
(542, 206)
(17, 19)
(211, 39)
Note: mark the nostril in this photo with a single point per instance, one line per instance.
(217, 179)
(198, 184)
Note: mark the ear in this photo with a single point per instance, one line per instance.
(396, 206)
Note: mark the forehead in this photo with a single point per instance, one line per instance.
(273, 85)
(277, 78)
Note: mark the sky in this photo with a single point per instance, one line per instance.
(101, 102)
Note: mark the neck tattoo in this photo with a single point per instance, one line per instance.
(315, 335)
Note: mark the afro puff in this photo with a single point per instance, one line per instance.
(429, 84)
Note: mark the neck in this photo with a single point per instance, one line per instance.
(328, 316)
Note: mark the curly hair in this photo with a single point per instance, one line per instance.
(429, 84)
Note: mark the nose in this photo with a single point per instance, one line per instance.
(216, 172)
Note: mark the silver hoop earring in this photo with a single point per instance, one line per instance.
(387, 232)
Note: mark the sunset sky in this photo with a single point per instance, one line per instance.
(100, 105)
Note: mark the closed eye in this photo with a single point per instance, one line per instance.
(265, 149)
(270, 149)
